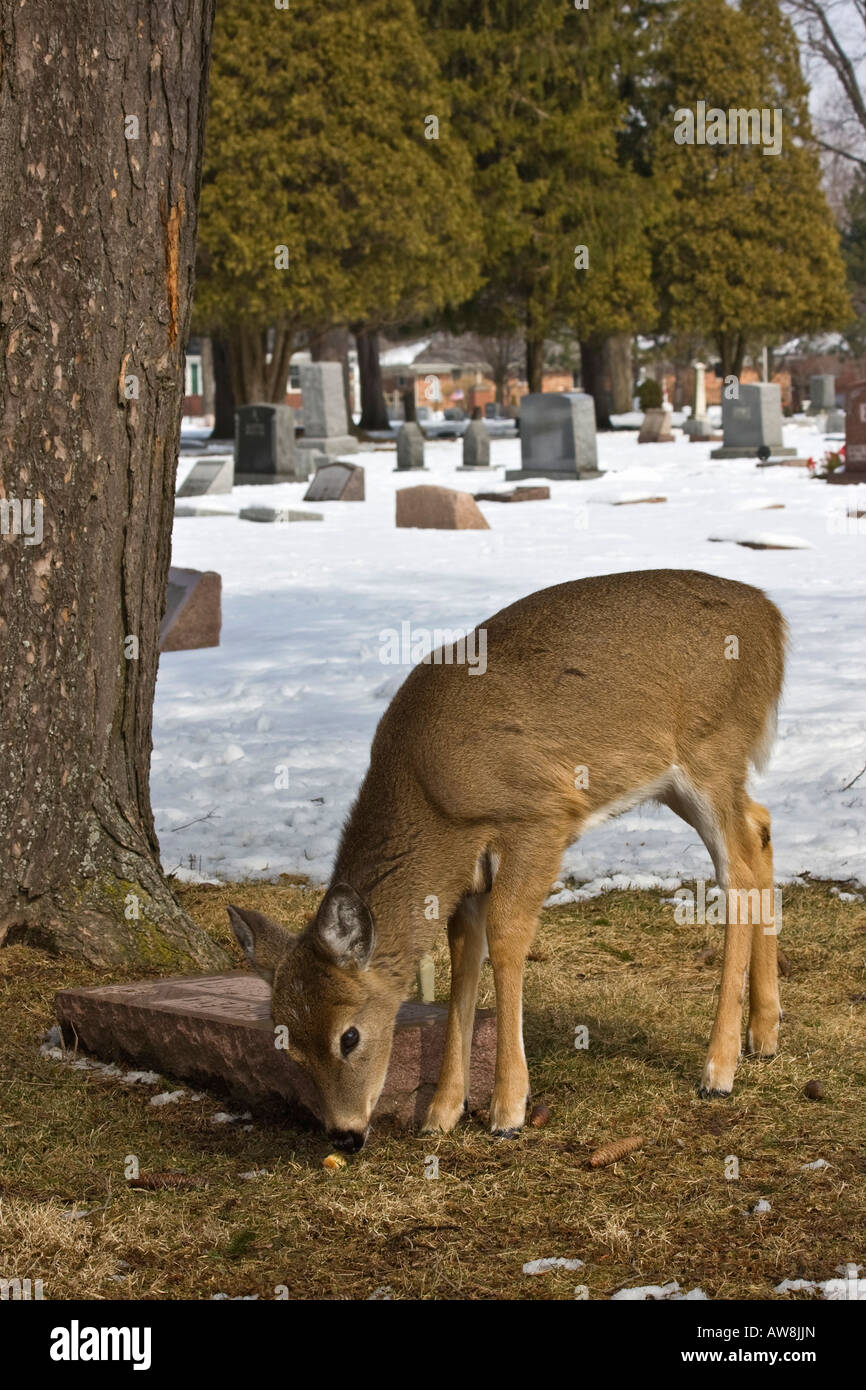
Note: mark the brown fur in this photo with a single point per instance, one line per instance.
(470, 801)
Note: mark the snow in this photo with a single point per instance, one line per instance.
(260, 744)
(655, 1293)
(549, 1262)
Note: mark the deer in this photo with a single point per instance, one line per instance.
(599, 694)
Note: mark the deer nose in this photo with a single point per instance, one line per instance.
(349, 1139)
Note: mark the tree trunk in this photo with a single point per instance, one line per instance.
(618, 370)
(208, 390)
(593, 377)
(535, 363)
(224, 396)
(732, 350)
(97, 241)
(374, 411)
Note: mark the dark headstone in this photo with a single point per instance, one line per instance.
(193, 611)
(822, 393)
(217, 1030)
(557, 437)
(265, 440)
(336, 482)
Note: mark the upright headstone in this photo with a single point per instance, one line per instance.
(656, 427)
(834, 422)
(476, 443)
(326, 424)
(212, 474)
(336, 482)
(410, 448)
(264, 443)
(193, 610)
(752, 420)
(557, 437)
(855, 437)
(822, 393)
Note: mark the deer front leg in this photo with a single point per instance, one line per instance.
(724, 1049)
(466, 943)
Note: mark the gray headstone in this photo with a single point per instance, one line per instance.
(326, 425)
(557, 436)
(476, 445)
(336, 482)
(834, 422)
(208, 475)
(410, 447)
(822, 393)
(278, 514)
(751, 421)
(698, 429)
(265, 440)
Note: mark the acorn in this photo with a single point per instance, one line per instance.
(539, 1115)
(333, 1163)
(814, 1090)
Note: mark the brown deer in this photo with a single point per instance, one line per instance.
(598, 695)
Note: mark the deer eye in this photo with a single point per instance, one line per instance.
(349, 1041)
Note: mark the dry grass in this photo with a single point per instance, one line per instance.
(619, 965)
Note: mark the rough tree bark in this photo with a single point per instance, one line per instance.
(732, 351)
(374, 411)
(592, 375)
(224, 395)
(535, 364)
(101, 120)
(254, 378)
(618, 369)
(208, 386)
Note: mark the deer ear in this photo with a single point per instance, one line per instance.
(344, 927)
(262, 941)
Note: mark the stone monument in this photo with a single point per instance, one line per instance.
(557, 437)
(326, 424)
(753, 420)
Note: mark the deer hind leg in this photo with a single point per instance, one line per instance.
(524, 878)
(762, 1037)
(466, 942)
(735, 830)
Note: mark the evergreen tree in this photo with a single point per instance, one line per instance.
(534, 97)
(748, 253)
(319, 142)
(854, 251)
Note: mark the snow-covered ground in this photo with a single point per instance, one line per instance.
(293, 693)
